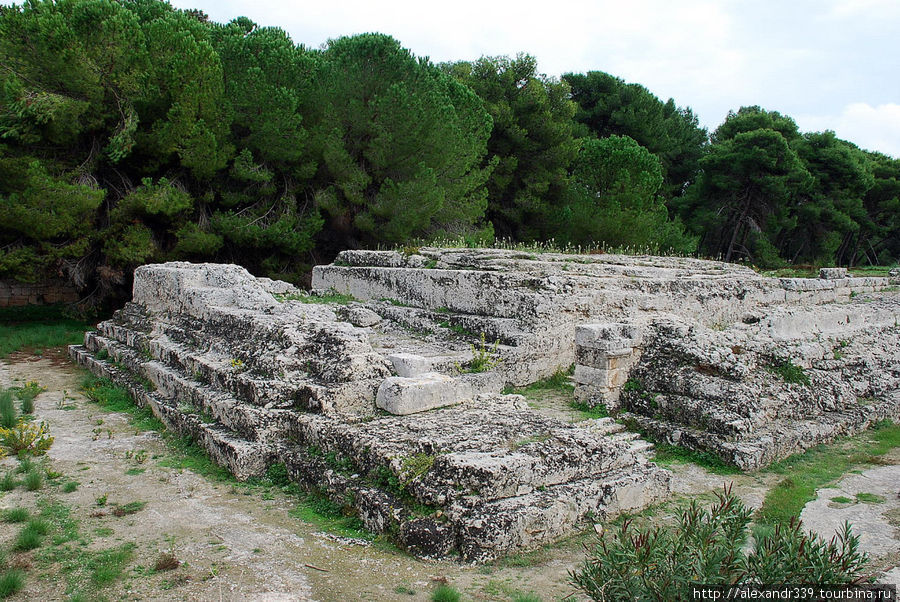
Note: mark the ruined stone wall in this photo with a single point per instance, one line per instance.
(16, 294)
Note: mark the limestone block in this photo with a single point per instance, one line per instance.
(832, 273)
(360, 316)
(409, 395)
(410, 364)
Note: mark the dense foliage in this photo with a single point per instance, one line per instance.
(133, 132)
(709, 546)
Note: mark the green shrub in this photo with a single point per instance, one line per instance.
(707, 546)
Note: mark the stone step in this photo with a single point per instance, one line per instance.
(482, 529)
(243, 458)
(506, 330)
(491, 447)
(216, 370)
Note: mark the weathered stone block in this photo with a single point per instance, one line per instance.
(410, 364)
(832, 273)
(409, 395)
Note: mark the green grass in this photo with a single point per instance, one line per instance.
(809, 271)
(34, 480)
(114, 398)
(35, 328)
(331, 297)
(31, 536)
(11, 581)
(70, 486)
(318, 510)
(8, 482)
(588, 412)
(106, 566)
(559, 381)
(790, 373)
(445, 593)
(841, 499)
(16, 515)
(8, 414)
(822, 465)
(667, 454)
(869, 498)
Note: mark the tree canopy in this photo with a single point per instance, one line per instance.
(132, 132)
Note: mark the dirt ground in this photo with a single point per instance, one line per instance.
(233, 543)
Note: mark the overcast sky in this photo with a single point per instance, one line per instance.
(829, 64)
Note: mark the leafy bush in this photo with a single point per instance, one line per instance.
(707, 546)
(26, 437)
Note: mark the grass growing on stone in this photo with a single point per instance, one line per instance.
(559, 381)
(822, 465)
(35, 328)
(330, 297)
(667, 454)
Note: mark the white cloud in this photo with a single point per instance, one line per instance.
(870, 128)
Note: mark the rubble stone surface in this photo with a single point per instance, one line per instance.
(391, 404)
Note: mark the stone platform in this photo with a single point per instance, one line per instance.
(382, 388)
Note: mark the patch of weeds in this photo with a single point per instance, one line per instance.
(103, 531)
(869, 498)
(525, 597)
(8, 482)
(589, 412)
(789, 372)
(34, 480)
(340, 463)
(16, 515)
(103, 354)
(675, 454)
(166, 562)
(404, 589)
(558, 381)
(100, 502)
(329, 297)
(11, 581)
(841, 499)
(8, 415)
(31, 536)
(26, 395)
(523, 441)
(317, 509)
(128, 508)
(415, 466)
(820, 466)
(484, 357)
(106, 566)
(445, 593)
(431, 264)
(135, 471)
(528, 559)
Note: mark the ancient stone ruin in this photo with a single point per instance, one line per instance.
(383, 388)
